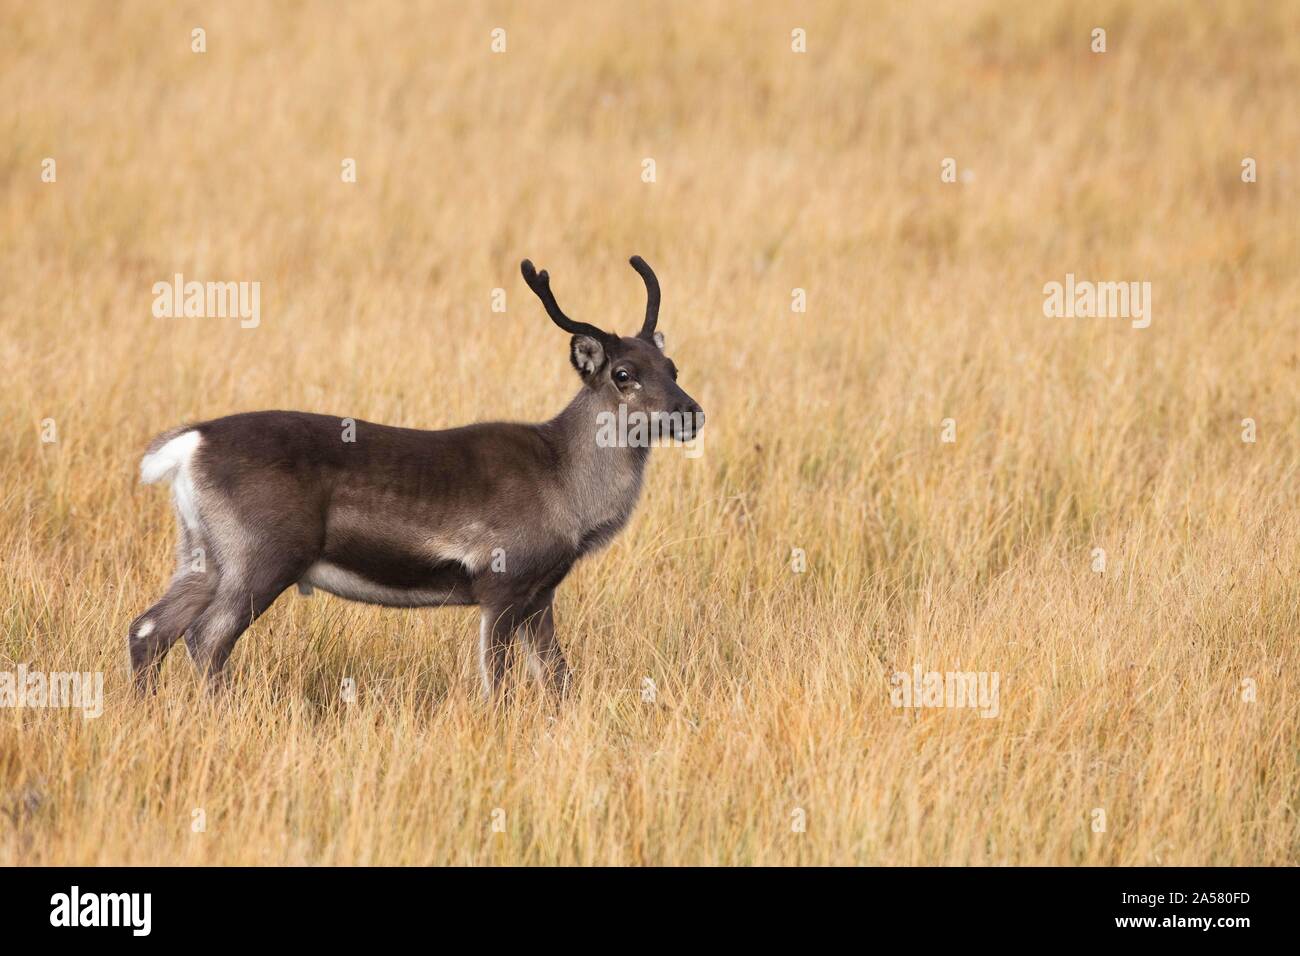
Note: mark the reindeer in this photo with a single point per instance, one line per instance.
(493, 514)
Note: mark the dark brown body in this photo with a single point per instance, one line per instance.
(435, 517)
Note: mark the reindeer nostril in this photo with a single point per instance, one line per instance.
(694, 415)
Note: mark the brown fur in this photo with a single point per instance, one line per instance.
(493, 514)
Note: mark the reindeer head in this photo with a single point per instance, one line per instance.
(633, 371)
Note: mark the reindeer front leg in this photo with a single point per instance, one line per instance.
(532, 621)
(545, 658)
(497, 623)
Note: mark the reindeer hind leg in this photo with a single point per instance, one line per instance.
(152, 634)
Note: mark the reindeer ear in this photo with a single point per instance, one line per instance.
(586, 354)
(659, 340)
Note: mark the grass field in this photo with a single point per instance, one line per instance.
(1147, 711)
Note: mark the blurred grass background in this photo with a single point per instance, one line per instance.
(775, 170)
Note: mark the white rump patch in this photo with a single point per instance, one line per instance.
(171, 463)
(164, 462)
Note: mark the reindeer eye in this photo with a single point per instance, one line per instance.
(622, 376)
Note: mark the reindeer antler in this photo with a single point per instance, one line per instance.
(651, 297)
(540, 283)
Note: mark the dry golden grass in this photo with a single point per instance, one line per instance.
(1120, 691)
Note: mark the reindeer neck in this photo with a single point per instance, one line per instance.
(603, 481)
